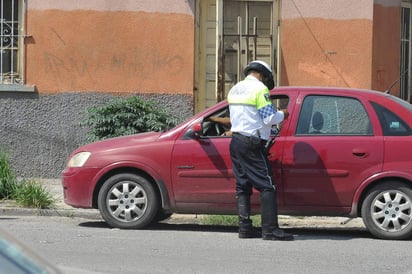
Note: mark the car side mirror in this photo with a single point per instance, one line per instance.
(195, 131)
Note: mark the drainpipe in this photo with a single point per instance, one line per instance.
(278, 44)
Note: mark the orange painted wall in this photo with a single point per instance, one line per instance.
(341, 43)
(326, 52)
(323, 45)
(110, 51)
(148, 47)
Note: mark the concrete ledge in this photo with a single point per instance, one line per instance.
(17, 88)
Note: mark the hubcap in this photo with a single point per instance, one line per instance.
(126, 201)
(391, 211)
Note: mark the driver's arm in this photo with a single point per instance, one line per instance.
(221, 120)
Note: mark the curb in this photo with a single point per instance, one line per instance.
(285, 221)
(53, 212)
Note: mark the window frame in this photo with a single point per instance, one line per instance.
(304, 126)
(13, 34)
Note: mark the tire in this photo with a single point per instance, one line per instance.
(128, 201)
(387, 211)
(161, 216)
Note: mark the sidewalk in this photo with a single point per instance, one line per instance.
(10, 208)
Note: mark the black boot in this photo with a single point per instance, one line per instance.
(246, 229)
(270, 226)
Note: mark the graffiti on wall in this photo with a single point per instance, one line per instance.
(124, 70)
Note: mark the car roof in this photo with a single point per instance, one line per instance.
(324, 89)
(340, 91)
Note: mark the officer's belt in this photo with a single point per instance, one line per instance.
(250, 139)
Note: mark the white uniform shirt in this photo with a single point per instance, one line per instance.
(251, 111)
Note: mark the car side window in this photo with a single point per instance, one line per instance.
(391, 124)
(217, 124)
(333, 115)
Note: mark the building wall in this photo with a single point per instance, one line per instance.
(340, 43)
(327, 43)
(86, 53)
(111, 46)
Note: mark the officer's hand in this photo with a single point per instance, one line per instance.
(285, 113)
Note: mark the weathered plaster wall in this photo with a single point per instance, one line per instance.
(38, 132)
(85, 53)
(327, 43)
(107, 46)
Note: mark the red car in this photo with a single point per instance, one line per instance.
(342, 152)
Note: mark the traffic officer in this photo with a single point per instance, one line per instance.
(252, 116)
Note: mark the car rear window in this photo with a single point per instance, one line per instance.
(392, 124)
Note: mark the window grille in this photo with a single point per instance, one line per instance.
(11, 42)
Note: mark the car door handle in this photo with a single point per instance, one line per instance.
(360, 153)
(185, 167)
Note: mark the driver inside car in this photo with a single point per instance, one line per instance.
(224, 121)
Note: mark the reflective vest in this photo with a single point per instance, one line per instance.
(251, 111)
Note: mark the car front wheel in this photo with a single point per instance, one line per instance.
(387, 211)
(128, 201)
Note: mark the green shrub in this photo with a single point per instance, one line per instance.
(7, 178)
(26, 192)
(126, 116)
(32, 194)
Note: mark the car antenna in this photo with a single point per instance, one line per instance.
(388, 90)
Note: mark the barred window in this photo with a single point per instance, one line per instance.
(11, 43)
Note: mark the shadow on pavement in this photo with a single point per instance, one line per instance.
(300, 233)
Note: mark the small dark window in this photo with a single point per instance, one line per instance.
(11, 42)
(391, 124)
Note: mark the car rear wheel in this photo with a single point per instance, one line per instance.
(128, 201)
(387, 211)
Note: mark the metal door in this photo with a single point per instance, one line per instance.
(231, 34)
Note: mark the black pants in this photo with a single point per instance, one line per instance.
(250, 165)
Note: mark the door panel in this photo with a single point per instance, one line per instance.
(332, 151)
(322, 172)
(206, 66)
(205, 174)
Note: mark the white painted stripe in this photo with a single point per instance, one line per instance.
(162, 6)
